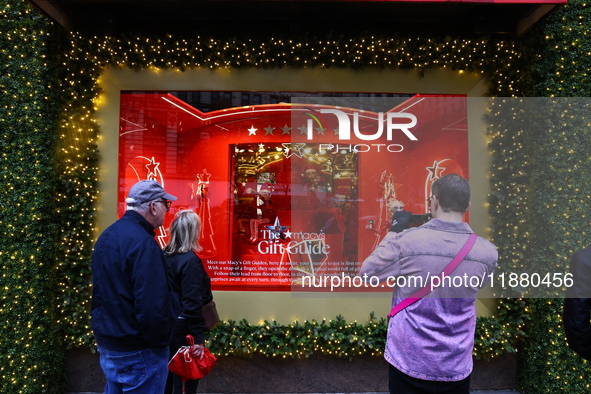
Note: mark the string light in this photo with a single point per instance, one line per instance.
(91, 54)
(539, 202)
(335, 337)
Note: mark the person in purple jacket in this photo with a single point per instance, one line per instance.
(430, 342)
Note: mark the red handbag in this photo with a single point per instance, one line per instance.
(190, 367)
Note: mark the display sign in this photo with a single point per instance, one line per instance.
(291, 192)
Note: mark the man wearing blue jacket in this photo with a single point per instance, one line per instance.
(132, 307)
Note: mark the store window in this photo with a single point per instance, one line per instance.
(301, 188)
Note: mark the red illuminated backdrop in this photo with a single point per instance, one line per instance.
(275, 204)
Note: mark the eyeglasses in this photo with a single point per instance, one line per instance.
(430, 198)
(166, 203)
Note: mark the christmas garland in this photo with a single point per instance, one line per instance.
(494, 337)
(31, 354)
(541, 186)
(335, 337)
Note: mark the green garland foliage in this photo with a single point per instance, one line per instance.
(414, 52)
(546, 364)
(561, 49)
(494, 336)
(501, 333)
(336, 337)
(31, 354)
(77, 158)
(541, 189)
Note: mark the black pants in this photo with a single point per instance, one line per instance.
(181, 330)
(401, 383)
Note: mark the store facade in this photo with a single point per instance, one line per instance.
(213, 185)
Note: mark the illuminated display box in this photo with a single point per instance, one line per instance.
(291, 190)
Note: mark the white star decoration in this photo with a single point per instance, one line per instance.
(252, 131)
(293, 149)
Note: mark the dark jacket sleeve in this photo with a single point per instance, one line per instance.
(577, 305)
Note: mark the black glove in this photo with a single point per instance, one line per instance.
(400, 221)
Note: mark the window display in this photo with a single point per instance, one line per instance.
(296, 190)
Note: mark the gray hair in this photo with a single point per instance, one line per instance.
(184, 233)
(140, 208)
